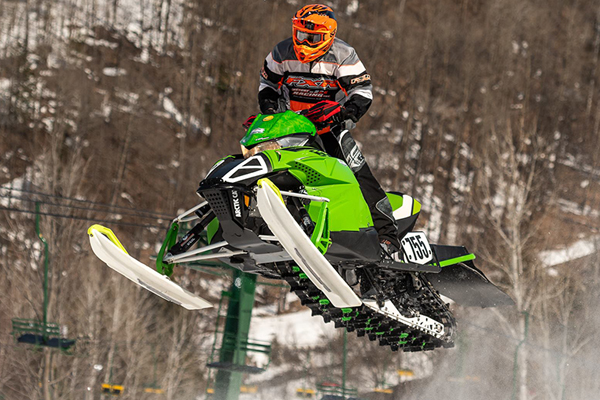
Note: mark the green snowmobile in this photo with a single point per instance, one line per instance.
(285, 209)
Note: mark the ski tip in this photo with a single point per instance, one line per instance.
(268, 184)
(108, 233)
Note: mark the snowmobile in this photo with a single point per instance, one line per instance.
(284, 209)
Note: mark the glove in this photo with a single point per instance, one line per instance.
(323, 113)
(268, 106)
(344, 114)
(249, 122)
(350, 112)
(329, 112)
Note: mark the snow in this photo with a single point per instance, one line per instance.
(171, 111)
(170, 108)
(575, 208)
(110, 71)
(12, 188)
(574, 251)
(4, 86)
(296, 329)
(100, 42)
(577, 164)
(352, 7)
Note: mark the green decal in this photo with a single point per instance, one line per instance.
(452, 261)
(212, 229)
(416, 207)
(396, 200)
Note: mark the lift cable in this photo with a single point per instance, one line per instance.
(153, 213)
(83, 218)
(49, 203)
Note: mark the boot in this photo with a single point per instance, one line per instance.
(390, 251)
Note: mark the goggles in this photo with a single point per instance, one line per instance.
(312, 38)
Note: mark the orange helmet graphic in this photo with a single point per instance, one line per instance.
(313, 29)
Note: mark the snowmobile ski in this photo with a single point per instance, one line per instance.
(301, 249)
(107, 248)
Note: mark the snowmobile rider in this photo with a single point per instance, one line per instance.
(317, 72)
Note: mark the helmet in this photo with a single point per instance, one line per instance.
(313, 29)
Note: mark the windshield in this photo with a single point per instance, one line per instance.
(288, 128)
(275, 144)
(270, 145)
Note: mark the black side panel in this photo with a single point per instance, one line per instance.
(468, 286)
(406, 225)
(447, 252)
(228, 206)
(236, 170)
(362, 246)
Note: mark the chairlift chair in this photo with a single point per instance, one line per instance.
(34, 332)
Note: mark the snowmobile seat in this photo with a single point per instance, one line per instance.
(405, 210)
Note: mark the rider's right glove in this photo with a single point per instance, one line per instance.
(329, 112)
(323, 113)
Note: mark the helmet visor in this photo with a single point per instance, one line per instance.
(312, 38)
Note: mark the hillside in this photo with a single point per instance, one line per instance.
(487, 112)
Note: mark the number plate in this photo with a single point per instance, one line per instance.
(416, 248)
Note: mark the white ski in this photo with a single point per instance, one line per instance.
(302, 250)
(117, 259)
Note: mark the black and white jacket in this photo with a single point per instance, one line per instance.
(339, 75)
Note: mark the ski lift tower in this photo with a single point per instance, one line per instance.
(235, 344)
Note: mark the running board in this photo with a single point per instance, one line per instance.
(420, 322)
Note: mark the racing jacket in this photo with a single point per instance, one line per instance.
(339, 75)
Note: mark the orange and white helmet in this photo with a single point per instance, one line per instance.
(313, 27)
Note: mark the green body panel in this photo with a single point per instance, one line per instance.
(396, 201)
(170, 240)
(269, 127)
(320, 237)
(211, 229)
(325, 176)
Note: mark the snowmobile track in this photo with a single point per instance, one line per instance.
(366, 322)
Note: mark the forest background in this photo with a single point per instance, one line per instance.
(488, 112)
